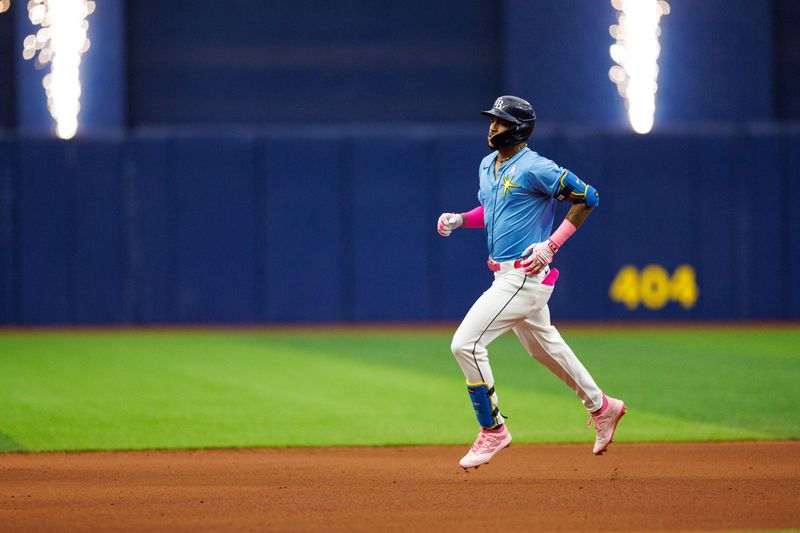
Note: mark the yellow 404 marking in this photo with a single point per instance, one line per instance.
(653, 287)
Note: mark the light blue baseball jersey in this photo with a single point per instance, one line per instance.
(519, 205)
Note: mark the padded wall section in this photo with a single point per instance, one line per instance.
(162, 228)
(8, 230)
(150, 221)
(215, 202)
(100, 265)
(791, 224)
(302, 199)
(760, 211)
(586, 263)
(650, 219)
(390, 199)
(461, 258)
(46, 228)
(719, 225)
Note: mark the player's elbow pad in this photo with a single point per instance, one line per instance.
(592, 196)
(570, 187)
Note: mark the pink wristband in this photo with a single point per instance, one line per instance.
(473, 219)
(564, 232)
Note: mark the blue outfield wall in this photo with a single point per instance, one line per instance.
(335, 224)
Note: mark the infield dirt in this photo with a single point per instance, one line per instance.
(634, 487)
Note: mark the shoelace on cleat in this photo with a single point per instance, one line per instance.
(486, 442)
(599, 421)
(478, 443)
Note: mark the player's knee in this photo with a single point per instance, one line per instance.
(460, 347)
(456, 347)
(467, 351)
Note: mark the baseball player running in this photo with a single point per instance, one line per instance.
(518, 194)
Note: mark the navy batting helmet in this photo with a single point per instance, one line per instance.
(519, 114)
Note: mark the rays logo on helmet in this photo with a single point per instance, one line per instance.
(519, 116)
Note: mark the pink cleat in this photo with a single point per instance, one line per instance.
(487, 445)
(605, 422)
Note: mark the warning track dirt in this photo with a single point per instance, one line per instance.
(634, 487)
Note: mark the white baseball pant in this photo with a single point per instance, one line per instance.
(519, 302)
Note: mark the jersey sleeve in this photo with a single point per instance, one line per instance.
(545, 177)
(480, 197)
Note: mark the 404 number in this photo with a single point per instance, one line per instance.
(653, 287)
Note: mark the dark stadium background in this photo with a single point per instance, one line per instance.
(259, 161)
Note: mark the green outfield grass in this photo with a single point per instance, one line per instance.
(150, 389)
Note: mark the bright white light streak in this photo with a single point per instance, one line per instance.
(60, 41)
(635, 53)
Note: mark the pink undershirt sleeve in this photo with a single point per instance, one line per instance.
(474, 218)
(564, 232)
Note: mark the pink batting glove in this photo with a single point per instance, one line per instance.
(539, 256)
(447, 223)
